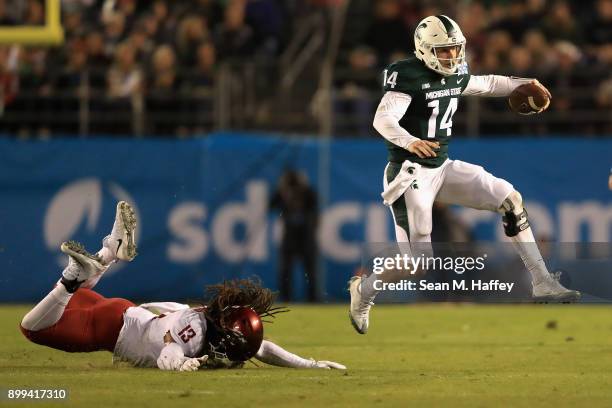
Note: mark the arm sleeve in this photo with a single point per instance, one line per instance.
(493, 85)
(391, 109)
(272, 354)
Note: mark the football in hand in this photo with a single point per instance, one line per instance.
(529, 98)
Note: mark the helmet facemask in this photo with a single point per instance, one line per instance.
(241, 333)
(234, 314)
(446, 65)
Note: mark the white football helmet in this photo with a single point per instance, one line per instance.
(433, 33)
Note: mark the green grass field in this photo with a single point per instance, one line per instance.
(427, 355)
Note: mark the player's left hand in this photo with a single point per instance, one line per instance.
(193, 364)
(328, 365)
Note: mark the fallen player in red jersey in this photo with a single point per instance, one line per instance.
(225, 332)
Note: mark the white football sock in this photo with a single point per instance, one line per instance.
(93, 281)
(48, 311)
(526, 246)
(107, 256)
(106, 253)
(368, 293)
(72, 270)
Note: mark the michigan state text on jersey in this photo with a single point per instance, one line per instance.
(433, 102)
(415, 116)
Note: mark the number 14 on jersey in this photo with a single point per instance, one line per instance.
(447, 118)
(390, 80)
(446, 122)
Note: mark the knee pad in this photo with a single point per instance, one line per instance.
(514, 214)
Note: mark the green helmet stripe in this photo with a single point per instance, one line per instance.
(448, 24)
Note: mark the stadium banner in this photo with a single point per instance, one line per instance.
(203, 205)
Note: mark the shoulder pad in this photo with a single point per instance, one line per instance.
(407, 76)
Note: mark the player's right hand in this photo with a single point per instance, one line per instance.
(193, 364)
(423, 148)
(171, 357)
(539, 84)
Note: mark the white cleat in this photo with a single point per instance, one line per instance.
(122, 240)
(550, 290)
(82, 266)
(359, 312)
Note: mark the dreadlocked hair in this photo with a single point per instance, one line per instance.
(240, 292)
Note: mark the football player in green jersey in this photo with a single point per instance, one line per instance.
(415, 116)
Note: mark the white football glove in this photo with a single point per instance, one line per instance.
(193, 364)
(171, 357)
(327, 365)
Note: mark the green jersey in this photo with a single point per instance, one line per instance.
(434, 101)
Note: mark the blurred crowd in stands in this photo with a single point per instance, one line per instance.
(158, 48)
(169, 52)
(567, 45)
